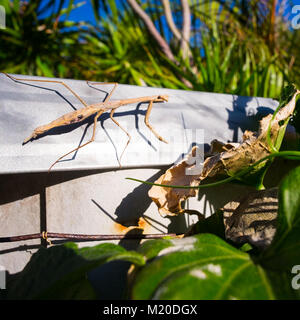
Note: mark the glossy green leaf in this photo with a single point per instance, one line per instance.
(284, 251)
(202, 267)
(151, 248)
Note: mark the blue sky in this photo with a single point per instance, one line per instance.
(84, 12)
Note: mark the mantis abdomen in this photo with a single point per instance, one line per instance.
(67, 119)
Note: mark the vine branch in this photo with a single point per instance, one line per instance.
(100, 237)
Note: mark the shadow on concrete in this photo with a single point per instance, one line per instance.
(242, 118)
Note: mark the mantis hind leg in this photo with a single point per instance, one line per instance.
(51, 81)
(92, 139)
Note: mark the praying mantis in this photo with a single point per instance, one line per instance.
(96, 109)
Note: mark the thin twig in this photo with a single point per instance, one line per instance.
(99, 237)
(152, 29)
(186, 28)
(170, 21)
(157, 36)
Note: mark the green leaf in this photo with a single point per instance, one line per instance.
(151, 248)
(284, 251)
(286, 96)
(60, 272)
(45, 70)
(228, 54)
(201, 267)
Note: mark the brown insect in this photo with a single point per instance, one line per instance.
(96, 109)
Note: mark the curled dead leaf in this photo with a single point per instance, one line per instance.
(169, 200)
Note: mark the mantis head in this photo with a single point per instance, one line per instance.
(163, 98)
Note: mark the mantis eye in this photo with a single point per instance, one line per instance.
(164, 98)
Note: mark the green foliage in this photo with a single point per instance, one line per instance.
(206, 267)
(121, 53)
(284, 251)
(232, 49)
(202, 267)
(252, 62)
(49, 46)
(197, 268)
